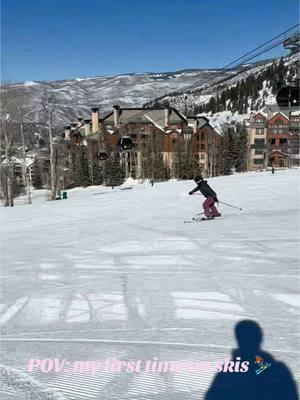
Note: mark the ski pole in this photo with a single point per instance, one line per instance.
(226, 204)
(230, 205)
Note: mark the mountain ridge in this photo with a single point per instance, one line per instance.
(75, 97)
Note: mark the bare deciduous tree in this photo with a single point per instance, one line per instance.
(7, 146)
(13, 118)
(49, 107)
(19, 114)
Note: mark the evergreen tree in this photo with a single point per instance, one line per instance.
(160, 169)
(98, 173)
(212, 105)
(114, 174)
(36, 175)
(186, 165)
(80, 172)
(223, 99)
(241, 139)
(235, 150)
(230, 151)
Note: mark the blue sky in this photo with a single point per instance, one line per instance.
(58, 39)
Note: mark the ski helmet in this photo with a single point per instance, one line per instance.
(198, 179)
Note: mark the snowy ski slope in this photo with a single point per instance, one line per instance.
(120, 275)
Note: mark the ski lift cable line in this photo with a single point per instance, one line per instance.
(205, 80)
(240, 65)
(230, 77)
(207, 87)
(250, 52)
(214, 75)
(208, 78)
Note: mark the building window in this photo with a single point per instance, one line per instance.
(258, 161)
(259, 142)
(259, 152)
(202, 146)
(278, 125)
(259, 131)
(258, 121)
(294, 119)
(280, 129)
(295, 141)
(295, 130)
(202, 156)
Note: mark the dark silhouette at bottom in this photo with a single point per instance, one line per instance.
(265, 379)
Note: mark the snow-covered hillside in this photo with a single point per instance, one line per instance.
(118, 274)
(74, 97)
(254, 88)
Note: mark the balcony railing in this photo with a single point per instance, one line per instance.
(258, 146)
(258, 124)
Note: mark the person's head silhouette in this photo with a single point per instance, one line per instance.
(249, 336)
(266, 375)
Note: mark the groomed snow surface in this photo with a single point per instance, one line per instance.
(112, 273)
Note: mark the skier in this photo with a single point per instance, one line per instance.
(210, 210)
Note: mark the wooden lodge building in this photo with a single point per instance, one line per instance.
(274, 138)
(132, 133)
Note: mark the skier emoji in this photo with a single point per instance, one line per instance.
(261, 364)
(259, 360)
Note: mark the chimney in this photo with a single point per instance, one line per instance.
(167, 114)
(116, 115)
(79, 123)
(67, 132)
(195, 125)
(87, 126)
(73, 126)
(95, 119)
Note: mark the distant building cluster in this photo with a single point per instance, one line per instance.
(274, 138)
(135, 134)
(159, 144)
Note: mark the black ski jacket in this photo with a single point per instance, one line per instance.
(205, 189)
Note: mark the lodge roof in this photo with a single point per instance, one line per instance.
(141, 115)
(274, 109)
(144, 115)
(279, 114)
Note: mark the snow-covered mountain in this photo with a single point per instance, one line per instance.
(254, 86)
(74, 97)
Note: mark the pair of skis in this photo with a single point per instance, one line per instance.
(197, 218)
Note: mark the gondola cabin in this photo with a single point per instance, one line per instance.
(102, 155)
(288, 96)
(125, 143)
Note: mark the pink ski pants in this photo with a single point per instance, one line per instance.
(209, 208)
